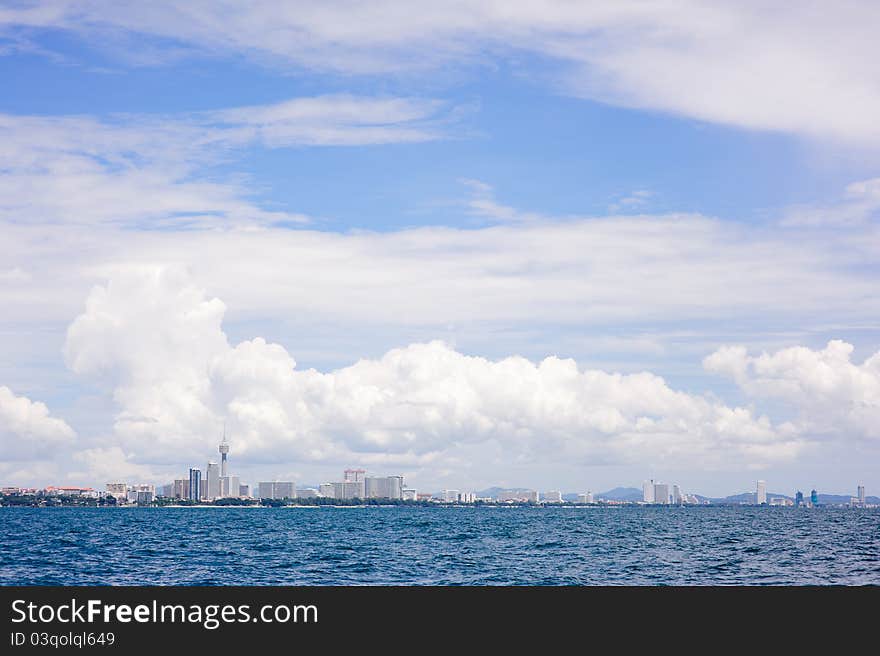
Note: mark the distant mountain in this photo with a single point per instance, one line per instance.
(621, 494)
(492, 492)
(834, 499)
(745, 497)
(632, 494)
(749, 497)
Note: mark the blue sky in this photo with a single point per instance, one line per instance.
(639, 191)
(579, 157)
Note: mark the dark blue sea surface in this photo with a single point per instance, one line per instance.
(439, 546)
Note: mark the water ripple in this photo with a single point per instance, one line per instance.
(439, 546)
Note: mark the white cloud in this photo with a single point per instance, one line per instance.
(585, 273)
(859, 206)
(150, 171)
(27, 431)
(157, 341)
(15, 275)
(744, 64)
(150, 336)
(482, 203)
(632, 202)
(110, 465)
(833, 396)
(336, 120)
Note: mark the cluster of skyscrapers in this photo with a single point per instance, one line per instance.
(660, 493)
(216, 484)
(355, 484)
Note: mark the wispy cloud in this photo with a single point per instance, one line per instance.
(482, 203)
(631, 202)
(859, 205)
(743, 64)
(151, 171)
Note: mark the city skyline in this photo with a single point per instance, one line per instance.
(357, 483)
(198, 487)
(547, 243)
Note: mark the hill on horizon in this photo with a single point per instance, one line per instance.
(621, 494)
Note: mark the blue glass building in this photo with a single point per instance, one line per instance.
(195, 484)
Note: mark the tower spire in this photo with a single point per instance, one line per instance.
(224, 449)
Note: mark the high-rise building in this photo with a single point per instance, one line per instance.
(285, 490)
(195, 485)
(229, 486)
(798, 499)
(553, 496)
(244, 490)
(522, 496)
(352, 490)
(212, 481)
(118, 490)
(661, 493)
(861, 494)
(761, 493)
(586, 497)
(224, 451)
(450, 496)
(180, 489)
(354, 475)
(395, 487)
(277, 490)
(383, 487)
(648, 491)
(676, 495)
(327, 490)
(814, 497)
(306, 493)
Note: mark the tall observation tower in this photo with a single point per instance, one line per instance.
(224, 450)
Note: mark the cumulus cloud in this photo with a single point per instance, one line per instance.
(109, 464)
(745, 64)
(156, 339)
(150, 336)
(27, 431)
(832, 395)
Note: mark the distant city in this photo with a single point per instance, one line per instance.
(219, 487)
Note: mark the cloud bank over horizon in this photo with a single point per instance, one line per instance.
(155, 340)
